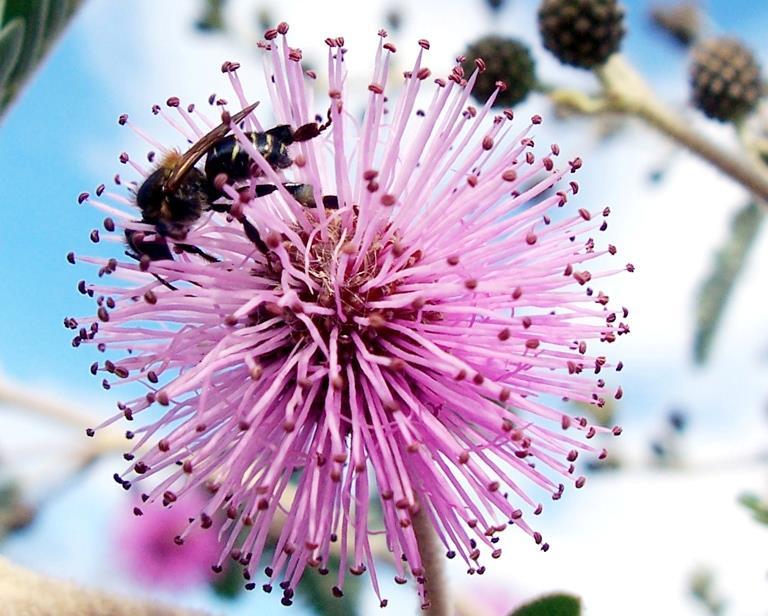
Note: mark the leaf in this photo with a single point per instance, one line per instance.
(315, 590)
(715, 290)
(758, 508)
(11, 37)
(558, 604)
(229, 583)
(34, 13)
(40, 22)
(58, 15)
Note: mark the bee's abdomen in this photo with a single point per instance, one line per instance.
(228, 157)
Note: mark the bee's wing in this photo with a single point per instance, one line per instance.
(197, 151)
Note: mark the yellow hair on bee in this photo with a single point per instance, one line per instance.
(171, 159)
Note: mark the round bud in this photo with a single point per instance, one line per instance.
(725, 79)
(582, 33)
(505, 60)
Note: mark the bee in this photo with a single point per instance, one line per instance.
(228, 158)
(174, 196)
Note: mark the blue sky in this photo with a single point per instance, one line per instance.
(62, 138)
(68, 106)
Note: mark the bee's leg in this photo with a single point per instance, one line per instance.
(262, 190)
(331, 202)
(221, 208)
(252, 233)
(194, 250)
(301, 192)
(155, 250)
(162, 281)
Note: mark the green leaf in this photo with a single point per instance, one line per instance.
(229, 583)
(757, 506)
(315, 590)
(58, 15)
(36, 25)
(717, 287)
(11, 38)
(558, 604)
(35, 14)
(212, 19)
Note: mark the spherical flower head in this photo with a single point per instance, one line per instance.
(377, 315)
(726, 81)
(582, 33)
(505, 65)
(147, 546)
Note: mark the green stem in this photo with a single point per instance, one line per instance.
(435, 591)
(628, 93)
(23, 398)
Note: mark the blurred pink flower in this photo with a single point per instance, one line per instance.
(147, 550)
(399, 343)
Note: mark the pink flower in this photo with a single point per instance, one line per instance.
(401, 344)
(147, 550)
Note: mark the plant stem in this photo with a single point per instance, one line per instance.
(629, 93)
(27, 592)
(15, 395)
(626, 92)
(435, 591)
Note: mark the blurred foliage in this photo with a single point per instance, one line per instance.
(757, 506)
(314, 590)
(681, 22)
(717, 287)
(212, 18)
(666, 447)
(703, 590)
(229, 583)
(394, 18)
(603, 415)
(28, 28)
(14, 514)
(264, 19)
(551, 605)
(496, 5)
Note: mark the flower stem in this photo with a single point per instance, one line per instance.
(626, 92)
(629, 93)
(26, 592)
(435, 591)
(17, 396)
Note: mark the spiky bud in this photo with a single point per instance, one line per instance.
(681, 22)
(582, 33)
(725, 79)
(504, 60)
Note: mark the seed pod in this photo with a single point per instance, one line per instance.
(725, 79)
(582, 33)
